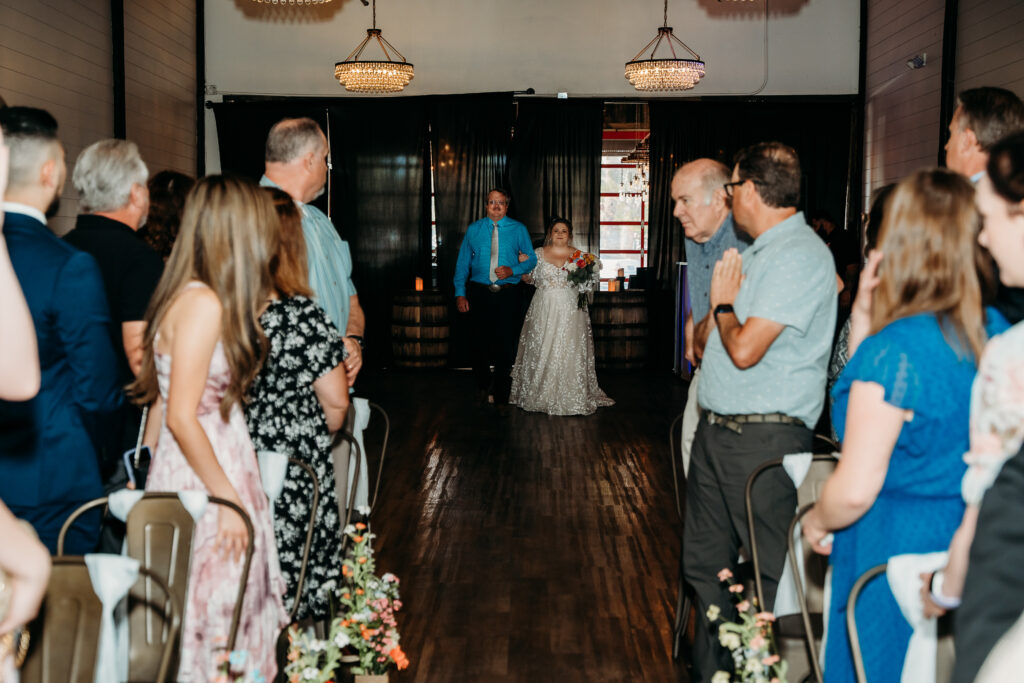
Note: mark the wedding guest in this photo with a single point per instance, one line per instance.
(703, 211)
(554, 369)
(901, 410)
(26, 563)
(167, 192)
(19, 357)
(110, 177)
(50, 464)
(486, 274)
(298, 399)
(203, 348)
(762, 384)
(996, 424)
(297, 162)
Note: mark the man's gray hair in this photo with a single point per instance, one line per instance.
(716, 175)
(105, 172)
(291, 138)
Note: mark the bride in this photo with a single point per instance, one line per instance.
(554, 369)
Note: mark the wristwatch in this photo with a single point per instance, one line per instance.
(358, 340)
(723, 308)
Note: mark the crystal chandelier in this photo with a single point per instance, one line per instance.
(374, 76)
(639, 183)
(664, 74)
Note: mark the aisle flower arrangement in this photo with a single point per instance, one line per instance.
(750, 640)
(367, 626)
(584, 271)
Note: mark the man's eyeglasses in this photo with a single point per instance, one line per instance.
(728, 187)
(496, 202)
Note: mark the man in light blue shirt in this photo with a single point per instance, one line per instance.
(296, 162)
(702, 208)
(762, 385)
(485, 288)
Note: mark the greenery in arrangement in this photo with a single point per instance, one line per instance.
(750, 640)
(366, 627)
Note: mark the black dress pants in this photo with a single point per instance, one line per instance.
(495, 323)
(716, 524)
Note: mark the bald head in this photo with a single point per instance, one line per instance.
(699, 198)
(296, 158)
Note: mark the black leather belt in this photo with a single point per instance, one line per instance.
(492, 288)
(734, 423)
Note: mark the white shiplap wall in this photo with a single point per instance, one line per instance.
(989, 47)
(902, 105)
(56, 55)
(160, 82)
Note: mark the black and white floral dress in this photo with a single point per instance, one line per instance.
(285, 416)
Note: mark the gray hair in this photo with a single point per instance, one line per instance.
(291, 138)
(105, 172)
(716, 174)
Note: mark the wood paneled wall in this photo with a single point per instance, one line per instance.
(57, 55)
(160, 82)
(989, 48)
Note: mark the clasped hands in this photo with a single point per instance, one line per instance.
(726, 278)
(502, 273)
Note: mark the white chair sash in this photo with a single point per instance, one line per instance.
(360, 422)
(796, 465)
(112, 577)
(904, 575)
(273, 470)
(120, 503)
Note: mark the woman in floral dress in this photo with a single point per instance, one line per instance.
(298, 398)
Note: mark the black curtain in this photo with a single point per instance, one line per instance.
(822, 133)
(379, 151)
(470, 137)
(555, 165)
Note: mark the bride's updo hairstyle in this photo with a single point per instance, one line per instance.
(551, 226)
(229, 234)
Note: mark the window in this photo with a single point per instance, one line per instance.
(623, 217)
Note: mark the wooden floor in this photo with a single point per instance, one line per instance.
(530, 548)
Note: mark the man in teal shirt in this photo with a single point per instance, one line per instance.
(296, 162)
(762, 385)
(485, 288)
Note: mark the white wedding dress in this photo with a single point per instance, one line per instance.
(554, 370)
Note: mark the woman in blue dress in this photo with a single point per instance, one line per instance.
(901, 409)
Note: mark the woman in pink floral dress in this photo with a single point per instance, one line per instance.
(203, 347)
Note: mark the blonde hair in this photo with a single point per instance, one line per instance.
(229, 233)
(929, 238)
(289, 266)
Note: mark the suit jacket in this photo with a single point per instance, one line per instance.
(48, 444)
(994, 588)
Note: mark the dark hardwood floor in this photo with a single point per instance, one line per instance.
(530, 548)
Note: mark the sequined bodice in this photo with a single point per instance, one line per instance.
(549, 276)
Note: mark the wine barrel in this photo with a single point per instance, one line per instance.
(419, 329)
(619, 320)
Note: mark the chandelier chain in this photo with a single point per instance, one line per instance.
(663, 23)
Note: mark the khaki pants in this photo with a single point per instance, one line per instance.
(691, 418)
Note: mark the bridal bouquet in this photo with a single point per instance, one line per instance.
(584, 271)
(750, 641)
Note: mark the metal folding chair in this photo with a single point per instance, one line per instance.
(383, 452)
(164, 572)
(684, 600)
(350, 504)
(806, 627)
(314, 506)
(65, 636)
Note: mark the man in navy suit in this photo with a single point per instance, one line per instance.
(48, 456)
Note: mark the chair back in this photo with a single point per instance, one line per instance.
(314, 505)
(675, 457)
(348, 506)
(851, 619)
(159, 535)
(376, 469)
(65, 637)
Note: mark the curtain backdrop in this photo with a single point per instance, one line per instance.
(379, 149)
(470, 137)
(555, 166)
(685, 130)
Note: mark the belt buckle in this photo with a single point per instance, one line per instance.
(494, 287)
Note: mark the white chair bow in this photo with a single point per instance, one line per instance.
(112, 577)
(904, 576)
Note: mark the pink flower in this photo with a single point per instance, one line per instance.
(724, 575)
(765, 616)
(743, 606)
(736, 588)
(769, 660)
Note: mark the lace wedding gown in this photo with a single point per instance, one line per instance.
(554, 369)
